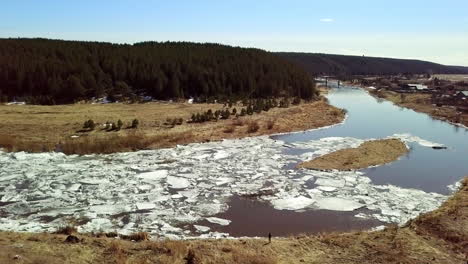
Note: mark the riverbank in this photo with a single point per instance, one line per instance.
(421, 102)
(46, 128)
(439, 236)
(369, 153)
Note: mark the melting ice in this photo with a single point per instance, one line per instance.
(167, 192)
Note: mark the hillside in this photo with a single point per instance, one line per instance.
(316, 63)
(46, 71)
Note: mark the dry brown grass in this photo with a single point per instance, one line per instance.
(43, 128)
(137, 237)
(230, 129)
(66, 230)
(369, 153)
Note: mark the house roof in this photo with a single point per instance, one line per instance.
(418, 86)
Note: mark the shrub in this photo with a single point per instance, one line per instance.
(135, 123)
(243, 112)
(119, 124)
(250, 110)
(89, 125)
(253, 127)
(225, 114)
(234, 111)
(284, 103)
(296, 101)
(270, 124)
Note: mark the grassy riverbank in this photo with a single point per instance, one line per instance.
(421, 102)
(40, 128)
(370, 153)
(440, 236)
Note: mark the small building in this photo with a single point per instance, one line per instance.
(462, 95)
(416, 86)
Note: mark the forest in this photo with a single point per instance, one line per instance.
(43, 71)
(343, 65)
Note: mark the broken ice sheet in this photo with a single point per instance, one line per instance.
(162, 191)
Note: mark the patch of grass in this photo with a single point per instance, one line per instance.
(105, 145)
(229, 129)
(66, 230)
(137, 237)
(238, 122)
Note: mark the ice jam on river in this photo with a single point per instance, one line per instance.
(167, 192)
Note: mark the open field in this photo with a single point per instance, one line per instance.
(421, 102)
(440, 236)
(369, 153)
(43, 128)
(452, 77)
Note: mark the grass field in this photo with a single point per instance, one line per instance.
(452, 77)
(370, 153)
(42, 128)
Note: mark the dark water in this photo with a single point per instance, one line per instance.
(422, 168)
(254, 218)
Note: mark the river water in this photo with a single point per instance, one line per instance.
(422, 168)
(245, 187)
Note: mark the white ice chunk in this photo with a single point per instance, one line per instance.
(201, 229)
(178, 182)
(153, 175)
(337, 204)
(219, 221)
(145, 206)
(292, 203)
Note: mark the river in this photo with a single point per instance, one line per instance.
(246, 187)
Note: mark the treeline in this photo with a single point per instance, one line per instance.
(57, 72)
(316, 63)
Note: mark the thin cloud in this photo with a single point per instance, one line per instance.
(327, 20)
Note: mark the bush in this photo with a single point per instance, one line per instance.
(225, 114)
(250, 110)
(270, 124)
(253, 127)
(243, 112)
(234, 111)
(296, 101)
(135, 123)
(119, 124)
(89, 125)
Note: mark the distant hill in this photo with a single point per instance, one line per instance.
(45, 71)
(316, 63)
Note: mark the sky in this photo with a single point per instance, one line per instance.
(418, 29)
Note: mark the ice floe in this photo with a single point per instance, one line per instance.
(168, 192)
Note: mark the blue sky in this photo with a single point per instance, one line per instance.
(429, 30)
